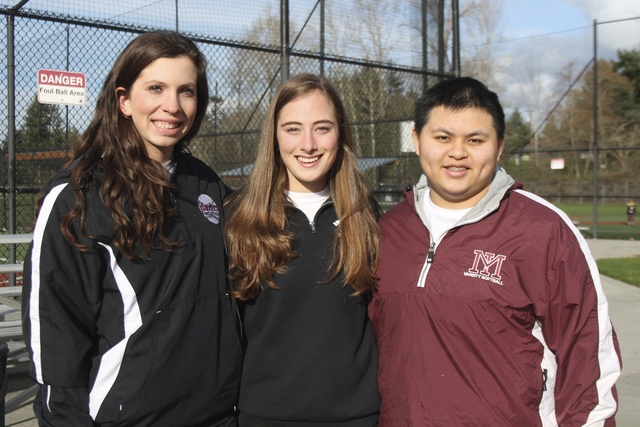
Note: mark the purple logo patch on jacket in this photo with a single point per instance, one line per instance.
(209, 208)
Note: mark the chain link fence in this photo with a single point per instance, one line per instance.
(372, 51)
(241, 42)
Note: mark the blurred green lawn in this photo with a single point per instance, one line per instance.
(623, 269)
(612, 221)
(612, 224)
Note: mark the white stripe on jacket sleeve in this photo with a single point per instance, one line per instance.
(34, 298)
(607, 357)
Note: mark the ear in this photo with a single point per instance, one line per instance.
(123, 101)
(500, 148)
(416, 140)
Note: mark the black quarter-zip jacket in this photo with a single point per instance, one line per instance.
(310, 352)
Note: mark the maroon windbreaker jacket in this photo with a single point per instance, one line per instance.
(507, 325)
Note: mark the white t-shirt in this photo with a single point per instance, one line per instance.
(441, 219)
(309, 203)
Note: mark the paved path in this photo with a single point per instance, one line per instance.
(624, 307)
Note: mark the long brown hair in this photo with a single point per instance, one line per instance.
(134, 188)
(257, 241)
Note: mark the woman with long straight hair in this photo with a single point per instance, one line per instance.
(302, 238)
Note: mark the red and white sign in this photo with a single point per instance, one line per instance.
(61, 87)
(557, 163)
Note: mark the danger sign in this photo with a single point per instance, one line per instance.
(61, 87)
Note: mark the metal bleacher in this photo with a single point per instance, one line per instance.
(11, 317)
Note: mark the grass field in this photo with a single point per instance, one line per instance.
(612, 224)
(612, 221)
(624, 269)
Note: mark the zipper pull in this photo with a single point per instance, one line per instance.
(427, 265)
(432, 250)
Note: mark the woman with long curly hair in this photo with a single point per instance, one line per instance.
(302, 238)
(126, 309)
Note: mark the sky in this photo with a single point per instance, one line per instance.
(541, 37)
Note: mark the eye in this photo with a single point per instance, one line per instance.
(292, 129)
(188, 91)
(155, 88)
(476, 141)
(324, 129)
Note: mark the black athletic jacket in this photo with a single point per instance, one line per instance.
(310, 355)
(115, 342)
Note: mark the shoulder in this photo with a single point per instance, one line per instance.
(191, 170)
(61, 197)
(533, 206)
(541, 219)
(401, 212)
(188, 164)
(59, 192)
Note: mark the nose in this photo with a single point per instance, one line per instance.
(458, 150)
(171, 103)
(308, 143)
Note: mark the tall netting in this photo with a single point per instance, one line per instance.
(372, 52)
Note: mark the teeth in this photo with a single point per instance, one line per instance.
(456, 169)
(307, 160)
(166, 125)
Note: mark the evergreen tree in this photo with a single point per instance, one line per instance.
(43, 129)
(40, 142)
(517, 132)
(628, 65)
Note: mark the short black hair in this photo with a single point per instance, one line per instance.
(459, 93)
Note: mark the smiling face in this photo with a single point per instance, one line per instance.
(307, 135)
(459, 151)
(162, 104)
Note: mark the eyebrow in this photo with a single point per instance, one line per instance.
(293, 122)
(163, 83)
(472, 133)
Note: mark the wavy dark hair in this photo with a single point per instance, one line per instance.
(134, 188)
(256, 237)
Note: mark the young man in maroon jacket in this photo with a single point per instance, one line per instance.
(490, 310)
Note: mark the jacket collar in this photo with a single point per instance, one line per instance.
(501, 184)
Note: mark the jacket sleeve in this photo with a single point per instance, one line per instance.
(578, 330)
(60, 301)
